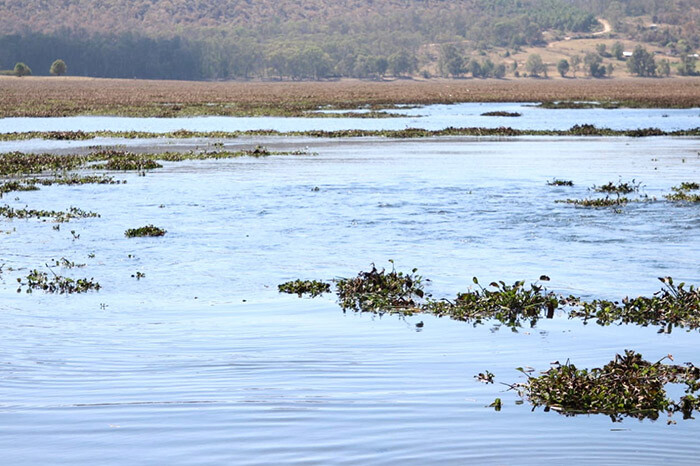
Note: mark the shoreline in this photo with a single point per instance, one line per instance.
(73, 96)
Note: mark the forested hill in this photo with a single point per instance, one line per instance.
(297, 39)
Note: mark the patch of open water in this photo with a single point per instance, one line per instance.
(202, 362)
(431, 117)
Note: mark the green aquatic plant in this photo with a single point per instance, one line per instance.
(672, 306)
(508, 304)
(12, 186)
(148, 230)
(381, 291)
(557, 182)
(597, 202)
(681, 192)
(58, 216)
(576, 130)
(63, 285)
(502, 114)
(618, 188)
(65, 263)
(626, 386)
(301, 287)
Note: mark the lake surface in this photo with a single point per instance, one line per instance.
(431, 117)
(203, 362)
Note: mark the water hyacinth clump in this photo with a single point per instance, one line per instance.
(683, 192)
(557, 182)
(148, 230)
(57, 284)
(381, 291)
(509, 304)
(618, 188)
(626, 386)
(58, 216)
(672, 306)
(312, 288)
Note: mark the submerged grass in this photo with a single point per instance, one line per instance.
(626, 386)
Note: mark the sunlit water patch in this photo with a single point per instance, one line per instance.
(431, 117)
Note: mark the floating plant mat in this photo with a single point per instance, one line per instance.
(628, 386)
(381, 291)
(576, 130)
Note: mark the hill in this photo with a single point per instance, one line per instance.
(312, 39)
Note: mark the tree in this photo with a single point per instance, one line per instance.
(451, 62)
(475, 69)
(641, 63)
(563, 67)
(618, 50)
(402, 63)
(535, 66)
(58, 68)
(575, 63)
(601, 49)
(500, 71)
(663, 68)
(22, 70)
(594, 65)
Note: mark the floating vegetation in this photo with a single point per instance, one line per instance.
(576, 130)
(502, 114)
(58, 216)
(597, 202)
(618, 188)
(148, 230)
(63, 285)
(130, 162)
(138, 275)
(626, 386)
(672, 306)
(30, 184)
(557, 182)
(65, 263)
(18, 163)
(681, 192)
(485, 377)
(380, 291)
(11, 186)
(508, 304)
(301, 287)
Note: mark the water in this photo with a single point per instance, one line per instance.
(431, 117)
(203, 362)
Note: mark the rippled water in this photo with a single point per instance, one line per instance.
(432, 117)
(202, 362)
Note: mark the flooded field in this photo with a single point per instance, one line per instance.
(189, 355)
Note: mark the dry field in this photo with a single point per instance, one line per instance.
(50, 96)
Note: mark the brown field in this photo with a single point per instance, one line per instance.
(51, 96)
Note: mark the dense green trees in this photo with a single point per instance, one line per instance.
(22, 70)
(641, 63)
(534, 65)
(58, 68)
(563, 67)
(593, 64)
